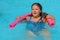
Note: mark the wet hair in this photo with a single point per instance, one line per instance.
(42, 14)
(39, 5)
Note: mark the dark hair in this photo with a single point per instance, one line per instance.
(39, 5)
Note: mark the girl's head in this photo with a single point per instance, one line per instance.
(36, 9)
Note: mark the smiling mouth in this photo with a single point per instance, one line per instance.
(35, 13)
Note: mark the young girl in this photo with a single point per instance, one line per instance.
(36, 23)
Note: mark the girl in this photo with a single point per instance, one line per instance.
(36, 23)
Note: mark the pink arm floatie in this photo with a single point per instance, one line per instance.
(19, 19)
(50, 22)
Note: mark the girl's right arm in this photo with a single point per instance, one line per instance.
(25, 19)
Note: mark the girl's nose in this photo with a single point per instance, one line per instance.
(34, 10)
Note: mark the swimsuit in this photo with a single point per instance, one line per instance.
(35, 27)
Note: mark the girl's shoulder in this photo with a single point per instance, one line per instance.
(44, 15)
(28, 17)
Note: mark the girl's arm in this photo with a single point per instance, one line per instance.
(19, 19)
(50, 16)
(48, 19)
(25, 19)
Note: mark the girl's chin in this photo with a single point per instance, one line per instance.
(35, 16)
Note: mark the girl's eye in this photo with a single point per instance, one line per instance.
(36, 9)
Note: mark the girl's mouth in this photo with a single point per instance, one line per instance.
(35, 13)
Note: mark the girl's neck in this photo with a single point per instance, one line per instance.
(36, 17)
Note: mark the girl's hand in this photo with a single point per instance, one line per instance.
(24, 20)
(50, 20)
(49, 16)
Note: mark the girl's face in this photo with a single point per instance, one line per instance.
(35, 11)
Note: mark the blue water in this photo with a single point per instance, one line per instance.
(10, 9)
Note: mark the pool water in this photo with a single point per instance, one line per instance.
(10, 9)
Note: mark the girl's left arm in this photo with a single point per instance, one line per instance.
(50, 16)
(51, 19)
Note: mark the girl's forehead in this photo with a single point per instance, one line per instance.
(35, 6)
